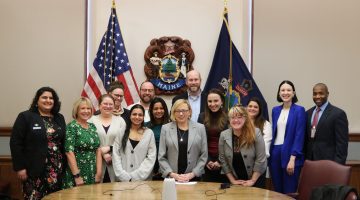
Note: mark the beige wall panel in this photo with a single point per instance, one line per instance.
(42, 43)
(308, 42)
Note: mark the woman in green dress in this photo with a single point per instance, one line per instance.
(82, 147)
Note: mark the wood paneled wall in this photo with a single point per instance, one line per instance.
(7, 175)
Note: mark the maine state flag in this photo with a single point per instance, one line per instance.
(230, 74)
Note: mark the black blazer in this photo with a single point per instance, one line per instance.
(28, 142)
(331, 137)
(185, 95)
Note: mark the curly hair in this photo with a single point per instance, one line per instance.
(57, 104)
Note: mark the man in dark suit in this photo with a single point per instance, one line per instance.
(327, 129)
(194, 95)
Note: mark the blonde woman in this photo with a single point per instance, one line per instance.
(183, 145)
(82, 147)
(242, 149)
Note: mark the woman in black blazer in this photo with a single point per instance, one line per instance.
(37, 145)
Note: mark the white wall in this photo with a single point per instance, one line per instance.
(42, 43)
(308, 42)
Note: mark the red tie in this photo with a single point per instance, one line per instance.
(316, 117)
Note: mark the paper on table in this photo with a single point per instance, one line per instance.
(186, 183)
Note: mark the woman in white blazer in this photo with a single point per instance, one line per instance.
(134, 151)
(183, 145)
(108, 127)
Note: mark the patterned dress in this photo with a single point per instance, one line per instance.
(84, 143)
(36, 188)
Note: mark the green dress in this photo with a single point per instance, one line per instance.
(84, 143)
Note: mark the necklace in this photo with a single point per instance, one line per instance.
(181, 134)
(49, 126)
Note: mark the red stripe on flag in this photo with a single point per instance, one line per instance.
(127, 95)
(133, 80)
(93, 86)
(83, 94)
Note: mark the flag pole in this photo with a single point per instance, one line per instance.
(230, 54)
(112, 41)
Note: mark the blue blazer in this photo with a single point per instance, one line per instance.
(294, 134)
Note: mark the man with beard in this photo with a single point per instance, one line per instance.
(194, 95)
(327, 129)
(147, 94)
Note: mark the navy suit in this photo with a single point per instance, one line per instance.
(293, 145)
(331, 137)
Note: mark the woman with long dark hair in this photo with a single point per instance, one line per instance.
(254, 109)
(134, 150)
(215, 120)
(159, 115)
(37, 145)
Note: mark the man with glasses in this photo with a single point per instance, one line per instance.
(194, 95)
(116, 90)
(147, 94)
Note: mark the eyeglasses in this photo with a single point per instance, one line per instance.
(181, 111)
(118, 95)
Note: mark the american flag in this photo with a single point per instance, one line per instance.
(111, 64)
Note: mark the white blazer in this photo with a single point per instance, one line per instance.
(134, 163)
(117, 126)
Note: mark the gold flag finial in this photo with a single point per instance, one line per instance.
(113, 4)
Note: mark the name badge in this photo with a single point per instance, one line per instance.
(36, 127)
(313, 130)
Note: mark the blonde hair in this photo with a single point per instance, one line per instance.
(178, 103)
(247, 136)
(77, 105)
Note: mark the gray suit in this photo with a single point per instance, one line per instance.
(254, 157)
(169, 151)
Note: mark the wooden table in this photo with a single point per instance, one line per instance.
(153, 190)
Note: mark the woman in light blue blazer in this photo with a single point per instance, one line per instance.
(288, 126)
(242, 150)
(134, 151)
(183, 145)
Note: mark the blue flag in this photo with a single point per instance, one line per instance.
(238, 86)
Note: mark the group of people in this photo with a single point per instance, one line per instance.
(198, 140)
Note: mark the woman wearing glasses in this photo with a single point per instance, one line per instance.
(242, 149)
(183, 145)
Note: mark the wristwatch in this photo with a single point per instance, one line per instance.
(76, 175)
